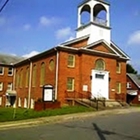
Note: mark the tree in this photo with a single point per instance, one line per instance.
(130, 69)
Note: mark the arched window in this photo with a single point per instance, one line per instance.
(42, 74)
(17, 79)
(85, 14)
(34, 76)
(21, 78)
(51, 65)
(100, 64)
(27, 77)
(100, 14)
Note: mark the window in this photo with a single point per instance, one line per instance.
(34, 76)
(9, 86)
(27, 77)
(21, 78)
(17, 79)
(42, 77)
(70, 84)
(71, 60)
(10, 71)
(1, 86)
(1, 70)
(99, 76)
(100, 64)
(128, 85)
(51, 65)
(118, 87)
(118, 67)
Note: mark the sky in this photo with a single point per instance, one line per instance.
(28, 27)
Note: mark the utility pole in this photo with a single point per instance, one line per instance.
(5, 3)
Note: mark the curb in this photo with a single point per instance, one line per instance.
(63, 118)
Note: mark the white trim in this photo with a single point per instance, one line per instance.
(56, 80)
(75, 40)
(111, 54)
(30, 82)
(120, 50)
(10, 71)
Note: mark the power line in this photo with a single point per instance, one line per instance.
(4, 5)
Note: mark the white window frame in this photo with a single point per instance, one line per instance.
(9, 86)
(119, 87)
(129, 85)
(1, 86)
(72, 85)
(118, 67)
(11, 71)
(72, 61)
(2, 73)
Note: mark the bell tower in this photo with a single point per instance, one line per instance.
(98, 24)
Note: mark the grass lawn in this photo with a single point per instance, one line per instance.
(11, 114)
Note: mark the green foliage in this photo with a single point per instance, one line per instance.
(6, 114)
(130, 69)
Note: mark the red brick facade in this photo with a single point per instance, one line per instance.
(134, 99)
(5, 79)
(81, 72)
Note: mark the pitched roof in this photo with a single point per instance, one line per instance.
(75, 40)
(6, 59)
(135, 78)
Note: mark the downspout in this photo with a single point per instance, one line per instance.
(14, 78)
(56, 80)
(30, 84)
(14, 83)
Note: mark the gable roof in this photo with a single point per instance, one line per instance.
(67, 43)
(113, 47)
(135, 78)
(119, 50)
(6, 59)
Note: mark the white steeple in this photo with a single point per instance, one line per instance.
(97, 27)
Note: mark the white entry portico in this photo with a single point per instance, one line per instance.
(100, 84)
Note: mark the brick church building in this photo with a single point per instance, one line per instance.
(90, 63)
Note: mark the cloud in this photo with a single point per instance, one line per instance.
(45, 21)
(27, 27)
(134, 38)
(64, 34)
(33, 53)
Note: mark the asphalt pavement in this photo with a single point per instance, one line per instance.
(64, 118)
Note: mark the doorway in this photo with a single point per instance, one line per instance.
(100, 84)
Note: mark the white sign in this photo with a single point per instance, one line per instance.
(85, 88)
(48, 94)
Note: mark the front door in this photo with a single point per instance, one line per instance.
(100, 84)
